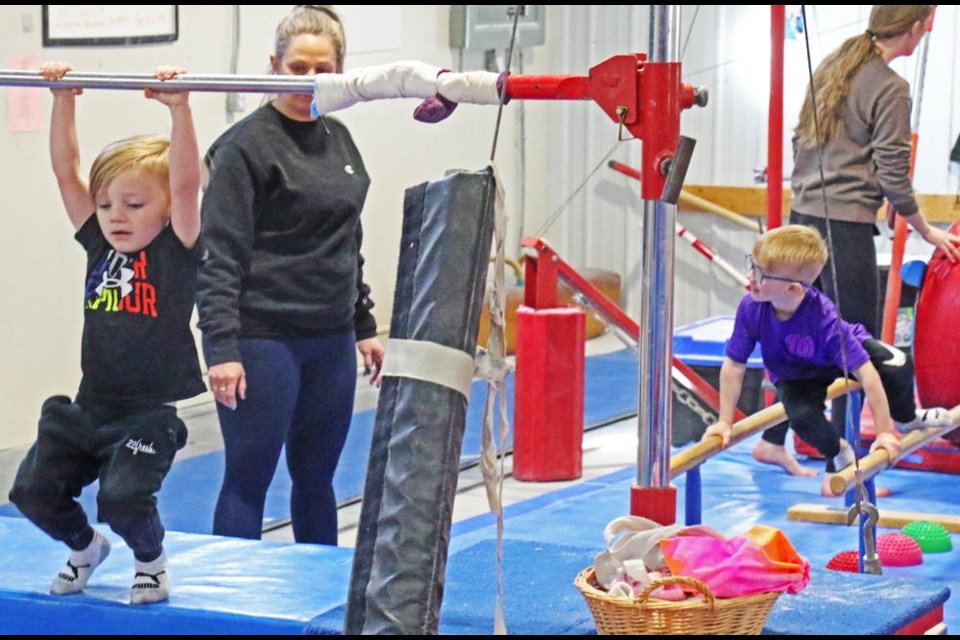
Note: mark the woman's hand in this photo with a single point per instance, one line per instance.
(946, 242)
(53, 71)
(372, 352)
(228, 381)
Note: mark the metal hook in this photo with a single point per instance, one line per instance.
(863, 508)
(622, 114)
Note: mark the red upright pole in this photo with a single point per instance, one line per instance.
(645, 97)
(778, 17)
(891, 305)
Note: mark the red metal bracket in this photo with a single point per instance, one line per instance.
(644, 97)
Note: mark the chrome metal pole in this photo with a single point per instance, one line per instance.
(187, 82)
(656, 297)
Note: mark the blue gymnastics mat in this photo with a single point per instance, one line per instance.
(239, 586)
(190, 491)
(221, 586)
(739, 493)
(550, 538)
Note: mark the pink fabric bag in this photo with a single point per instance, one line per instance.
(759, 561)
(633, 558)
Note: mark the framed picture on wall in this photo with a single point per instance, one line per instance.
(91, 25)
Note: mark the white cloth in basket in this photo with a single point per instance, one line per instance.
(633, 558)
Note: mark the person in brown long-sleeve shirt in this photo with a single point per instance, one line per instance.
(863, 112)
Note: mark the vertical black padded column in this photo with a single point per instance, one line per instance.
(398, 571)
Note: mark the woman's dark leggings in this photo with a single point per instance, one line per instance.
(300, 394)
(858, 281)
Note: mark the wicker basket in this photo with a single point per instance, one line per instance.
(641, 616)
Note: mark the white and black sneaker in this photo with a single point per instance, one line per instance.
(845, 457)
(936, 417)
(80, 566)
(151, 583)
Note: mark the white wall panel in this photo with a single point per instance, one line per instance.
(727, 51)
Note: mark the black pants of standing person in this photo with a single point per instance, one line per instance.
(858, 281)
(803, 399)
(130, 454)
(300, 401)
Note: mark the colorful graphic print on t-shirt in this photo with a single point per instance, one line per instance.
(119, 283)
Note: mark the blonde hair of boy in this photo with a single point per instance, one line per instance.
(795, 248)
(149, 154)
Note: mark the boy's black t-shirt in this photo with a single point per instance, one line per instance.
(138, 350)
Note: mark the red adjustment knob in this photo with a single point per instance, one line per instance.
(691, 96)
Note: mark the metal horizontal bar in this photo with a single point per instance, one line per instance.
(186, 82)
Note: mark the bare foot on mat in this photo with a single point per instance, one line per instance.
(777, 454)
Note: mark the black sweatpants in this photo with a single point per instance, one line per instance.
(804, 400)
(858, 283)
(130, 454)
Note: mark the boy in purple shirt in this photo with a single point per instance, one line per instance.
(805, 346)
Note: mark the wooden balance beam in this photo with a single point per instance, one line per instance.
(876, 461)
(871, 465)
(773, 415)
(827, 514)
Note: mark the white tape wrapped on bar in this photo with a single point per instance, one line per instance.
(429, 362)
(408, 79)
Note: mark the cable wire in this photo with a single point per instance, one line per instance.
(693, 21)
(556, 214)
(830, 246)
(503, 90)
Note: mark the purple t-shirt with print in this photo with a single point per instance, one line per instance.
(803, 347)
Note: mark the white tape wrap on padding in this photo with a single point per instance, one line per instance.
(429, 362)
(471, 87)
(409, 79)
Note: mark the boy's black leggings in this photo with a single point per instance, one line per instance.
(130, 454)
(858, 280)
(804, 400)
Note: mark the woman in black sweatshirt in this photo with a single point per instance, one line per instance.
(281, 296)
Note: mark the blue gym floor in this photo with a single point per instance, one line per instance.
(189, 493)
(739, 493)
(243, 587)
(234, 586)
